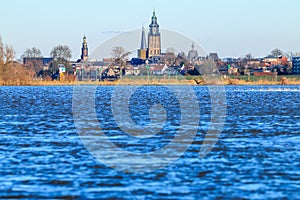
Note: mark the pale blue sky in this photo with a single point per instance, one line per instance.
(232, 28)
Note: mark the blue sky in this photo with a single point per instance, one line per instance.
(232, 28)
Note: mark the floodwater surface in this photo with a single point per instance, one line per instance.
(256, 156)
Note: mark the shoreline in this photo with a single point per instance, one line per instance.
(164, 80)
(154, 82)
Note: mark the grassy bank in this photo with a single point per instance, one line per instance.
(165, 80)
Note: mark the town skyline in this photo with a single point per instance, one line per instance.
(238, 32)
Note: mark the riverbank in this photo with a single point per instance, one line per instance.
(155, 80)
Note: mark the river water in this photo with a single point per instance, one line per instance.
(257, 155)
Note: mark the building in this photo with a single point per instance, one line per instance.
(153, 50)
(154, 40)
(193, 54)
(132, 71)
(84, 50)
(213, 56)
(296, 65)
(272, 61)
(254, 62)
(168, 58)
(44, 61)
(41, 63)
(142, 52)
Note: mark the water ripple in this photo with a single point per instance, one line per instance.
(257, 156)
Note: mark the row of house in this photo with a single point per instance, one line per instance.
(151, 59)
(180, 64)
(87, 69)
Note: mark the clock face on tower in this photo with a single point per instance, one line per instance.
(154, 30)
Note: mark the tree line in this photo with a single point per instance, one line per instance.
(276, 53)
(15, 73)
(61, 54)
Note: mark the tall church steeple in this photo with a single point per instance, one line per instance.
(154, 42)
(142, 52)
(84, 50)
(154, 27)
(193, 54)
(143, 39)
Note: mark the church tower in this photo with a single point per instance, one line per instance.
(84, 50)
(193, 54)
(154, 42)
(142, 52)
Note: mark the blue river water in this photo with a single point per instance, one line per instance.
(256, 157)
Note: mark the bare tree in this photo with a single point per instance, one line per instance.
(276, 52)
(1, 53)
(248, 56)
(7, 53)
(11, 73)
(32, 59)
(61, 53)
(119, 54)
(33, 53)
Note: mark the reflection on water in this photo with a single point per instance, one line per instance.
(257, 155)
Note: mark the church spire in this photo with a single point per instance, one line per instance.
(142, 52)
(154, 27)
(154, 19)
(143, 39)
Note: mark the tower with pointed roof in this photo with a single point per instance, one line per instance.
(84, 50)
(154, 42)
(193, 54)
(142, 52)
